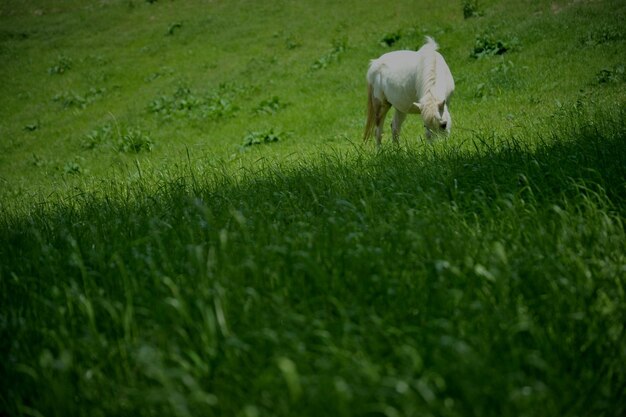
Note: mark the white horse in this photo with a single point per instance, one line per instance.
(412, 82)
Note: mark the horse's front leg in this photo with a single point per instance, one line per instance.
(429, 133)
(396, 125)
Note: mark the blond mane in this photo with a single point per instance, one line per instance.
(429, 74)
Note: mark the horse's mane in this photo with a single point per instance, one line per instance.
(429, 77)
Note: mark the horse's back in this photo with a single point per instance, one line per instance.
(393, 64)
(393, 78)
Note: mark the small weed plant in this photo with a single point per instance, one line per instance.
(487, 44)
(471, 9)
(264, 137)
(31, 127)
(119, 138)
(134, 140)
(61, 66)
(333, 56)
(73, 168)
(186, 104)
(504, 76)
(390, 39)
(611, 75)
(98, 137)
(70, 99)
(270, 106)
(174, 28)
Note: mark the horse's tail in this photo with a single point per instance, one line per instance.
(370, 124)
(430, 43)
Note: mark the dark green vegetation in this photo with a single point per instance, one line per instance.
(154, 262)
(415, 282)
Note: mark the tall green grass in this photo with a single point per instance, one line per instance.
(485, 279)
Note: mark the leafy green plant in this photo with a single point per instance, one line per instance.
(174, 27)
(184, 103)
(61, 66)
(505, 74)
(611, 75)
(261, 138)
(471, 9)
(98, 137)
(127, 139)
(339, 47)
(70, 99)
(270, 106)
(390, 39)
(407, 37)
(160, 73)
(73, 168)
(31, 127)
(502, 77)
(134, 140)
(486, 44)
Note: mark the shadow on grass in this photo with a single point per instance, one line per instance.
(352, 192)
(483, 281)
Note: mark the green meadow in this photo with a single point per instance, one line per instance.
(191, 224)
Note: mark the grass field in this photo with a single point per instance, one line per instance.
(190, 224)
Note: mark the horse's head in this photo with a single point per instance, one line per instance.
(435, 115)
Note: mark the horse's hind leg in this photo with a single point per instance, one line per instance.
(381, 107)
(396, 125)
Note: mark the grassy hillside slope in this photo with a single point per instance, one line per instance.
(191, 226)
(89, 84)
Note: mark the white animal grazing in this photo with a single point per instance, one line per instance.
(412, 82)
